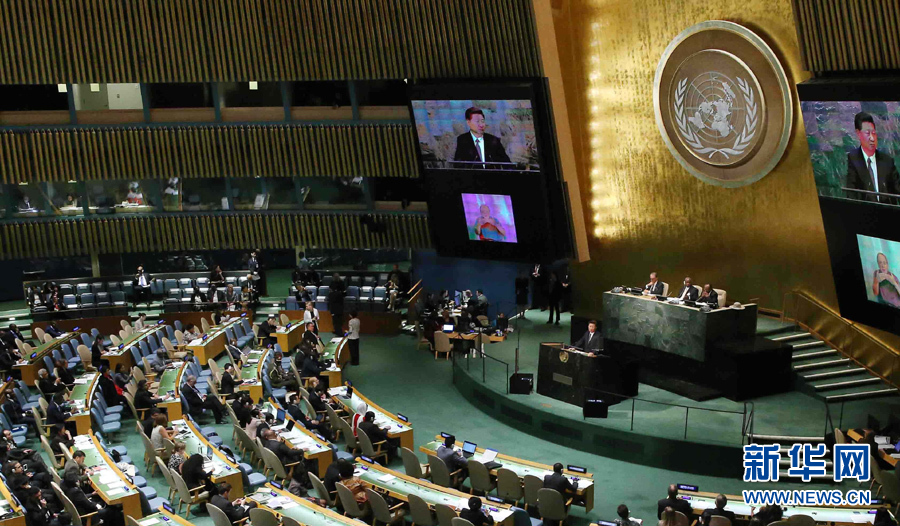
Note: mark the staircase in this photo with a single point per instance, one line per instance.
(826, 373)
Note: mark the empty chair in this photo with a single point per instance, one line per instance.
(532, 485)
(419, 512)
(411, 463)
(381, 512)
(173, 296)
(459, 521)
(86, 299)
(479, 477)
(103, 299)
(445, 514)
(801, 520)
(98, 287)
(117, 298)
(69, 301)
(441, 475)
(170, 284)
(217, 515)
(509, 487)
(113, 286)
(82, 288)
(262, 517)
(715, 520)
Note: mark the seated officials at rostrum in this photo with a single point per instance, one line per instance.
(688, 292)
(709, 296)
(590, 342)
(655, 287)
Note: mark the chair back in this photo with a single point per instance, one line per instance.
(418, 510)
(442, 342)
(347, 431)
(479, 477)
(348, 502)
(801, 520)
(204, 325)
(365, 443)
(681, 519)
(890, 485)
(532, 485)
(179, 336)
(217, 515)
(285, 319)
(509, 487)
(839, 437)
(272, 461)
(46, 338)
(459, 521)
(181, 487)
(411, 463)
(718, 520)
(287, 521)
(262, 517)
(115, 340)
(137, 373)
(39, 333)
(49, 451)
(445, 514)
(67, 504)
(551, 505)
(85, 355)
(149, 450)
(380, 510)
(321, 490)
(165, 471)
(440, 473)
(216, 372)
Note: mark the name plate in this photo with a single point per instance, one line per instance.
(563, 379)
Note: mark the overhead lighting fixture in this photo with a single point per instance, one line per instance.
(254, 85)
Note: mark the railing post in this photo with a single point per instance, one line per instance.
(632, 414)
(687, 410)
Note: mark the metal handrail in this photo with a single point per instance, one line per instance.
(888, 194)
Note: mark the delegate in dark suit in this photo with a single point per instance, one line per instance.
(711, 299)
(560, 483)
(466, 151)
(285, 454)
(476, 517)
(858, 176)
(233, 512)
(590, 342)
(692, 293)
(655, 289)
(704, 519)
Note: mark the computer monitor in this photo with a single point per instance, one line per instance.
(448, 327)
(290, 426)
(279, 416)
(469, 447)
(209, 452)
(457, 297)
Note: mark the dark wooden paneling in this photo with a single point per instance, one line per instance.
(207, 151)
(73, 237)
(79, 41)
(848, 35)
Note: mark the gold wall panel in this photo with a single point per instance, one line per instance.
(840, 35)
(75, 237)
(207, 151)
(644, 211)
(79, 41)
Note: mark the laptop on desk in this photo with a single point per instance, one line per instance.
(468, 449)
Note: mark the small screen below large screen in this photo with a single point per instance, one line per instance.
(489, 217)
(878, 257)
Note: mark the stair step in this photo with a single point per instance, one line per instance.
(807, 345)
(813, 354)
(790, 337)
(784, 475)
(847, 383)
(833, 374)
(861, 394)
(786, 461)
(817, 365)
(787, 439)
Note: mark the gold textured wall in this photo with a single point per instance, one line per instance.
(643, 210)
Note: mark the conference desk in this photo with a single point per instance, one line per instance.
(832, 515)
(337, 351)
(396, 428)
(113, 486)
(290, 337)
(80, 398)
(169, 382)
(401, 486)
(583, 481)
(223, 469)
(213, 342)
(121, 354)
(286, 504)
(30, 365)
(314, 446)
(164, 518)
(251, 371)
(10, 509)
(676, 329)
(856, 435)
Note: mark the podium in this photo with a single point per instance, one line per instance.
(567, 375)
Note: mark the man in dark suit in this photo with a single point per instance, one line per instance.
(232, 508)
(141, 286)
(590, 342)
(197, 401)
(339, 470)
(454, 459)
(719, 510)
(688, 292)
(284, 453)
(655, 287)
(267, 330)
(559, 482)
(709, 296)
(869, 169)
(477, 146)
(475, 515)
(376, 434)
(672, 501)
(555, 291)
(55, 413)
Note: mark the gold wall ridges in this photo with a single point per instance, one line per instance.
(220, 151)
(80, 41)
(77, 237)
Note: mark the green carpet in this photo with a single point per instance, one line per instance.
(401, 379)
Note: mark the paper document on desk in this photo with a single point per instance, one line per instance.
(81, 381)
(488, 456)
(336, 340)
(863, 519)
(386, 478)
(880, 439)
(115, 491)
(148, 522)
(108, 477)
(198, 341)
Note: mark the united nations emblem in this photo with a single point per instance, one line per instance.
(563, 356)
(723, 104)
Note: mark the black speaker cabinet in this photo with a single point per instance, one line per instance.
(595, 408)
(521, 383)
